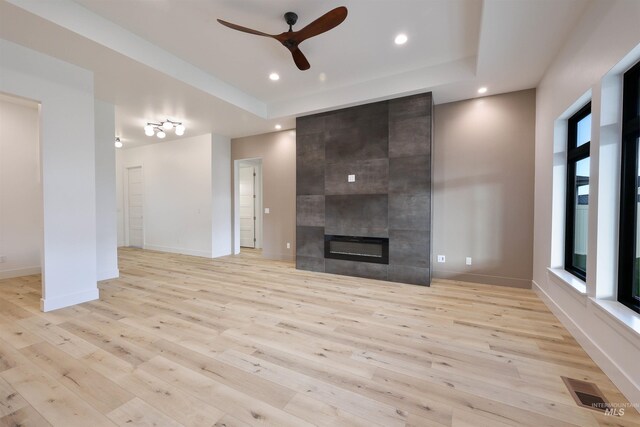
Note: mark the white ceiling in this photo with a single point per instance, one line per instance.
(157, 59)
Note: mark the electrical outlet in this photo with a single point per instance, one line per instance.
(351, 178)
(440, 258)
(468, 261)
(288, 245)
(266, 210)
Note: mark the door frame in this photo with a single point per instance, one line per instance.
(259, 226)
(125, 193)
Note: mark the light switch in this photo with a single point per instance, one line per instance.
(351, 178)
(266, 210)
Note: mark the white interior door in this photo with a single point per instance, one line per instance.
(135, 212)
(247, 207)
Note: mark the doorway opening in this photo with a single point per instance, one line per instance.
(134, 207)
(21, 202)
(248, 213)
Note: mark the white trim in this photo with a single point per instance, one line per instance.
(109, 274)
(19, 272)
(236, 208)
(563, 277)
(608, 365)
(182, 251)
(257, 162)
(617, 314)
(49, 304)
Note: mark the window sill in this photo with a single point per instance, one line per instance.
(622, 315)
(563, 277)
(612, 312)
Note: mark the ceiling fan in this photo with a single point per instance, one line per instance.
(291, 39)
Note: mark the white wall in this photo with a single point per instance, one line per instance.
(177, 194)
(67, 166)
(106, 218)
(221, 218)
(605, 34)
(20, 205)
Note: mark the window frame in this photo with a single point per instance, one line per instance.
(629, 189)
(574, 155)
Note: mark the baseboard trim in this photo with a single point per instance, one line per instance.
(182, 251)
(50, 304)
(106, 275)
(278, 256)
(19, 272)
(482, 278)
(608, 366)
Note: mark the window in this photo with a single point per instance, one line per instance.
(577, 206)
(629, 252)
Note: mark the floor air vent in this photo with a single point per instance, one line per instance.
(586, 394)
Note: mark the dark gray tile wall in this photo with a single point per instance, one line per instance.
(310, 241)
(364, 215)
(372, 177)
(310, 211)
(387, 146)
(357, 269)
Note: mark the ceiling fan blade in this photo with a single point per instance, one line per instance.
(300, 59)
(329, 20)
(244, 29)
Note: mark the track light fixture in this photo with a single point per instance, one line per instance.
(159, 129)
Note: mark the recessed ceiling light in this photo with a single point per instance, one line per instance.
(401, 38)
(483, 89)
(278, 127)
(274, 76)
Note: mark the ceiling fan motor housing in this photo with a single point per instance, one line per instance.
(291, 18)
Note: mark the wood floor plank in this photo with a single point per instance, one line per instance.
(266, 391)
(58, 337)
(437, 411)
(364, 407)
(10, 400)
(178, 405)
(243, 341)
(92, 387)
(24, 417)
(52, 400)
(136, 412)
(324, 414)
(225, 398)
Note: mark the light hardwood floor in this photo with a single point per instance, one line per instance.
(241, 341)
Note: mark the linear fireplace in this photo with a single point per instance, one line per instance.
(354, 248)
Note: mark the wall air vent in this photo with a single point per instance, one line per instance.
(586, 394)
